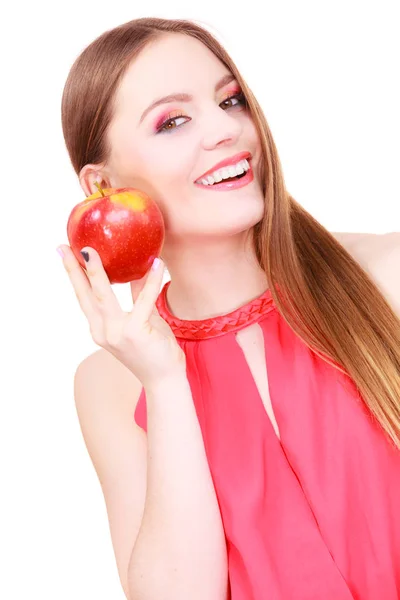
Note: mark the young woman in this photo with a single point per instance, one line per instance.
(244, 421)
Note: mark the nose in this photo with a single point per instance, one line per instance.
(220, 128)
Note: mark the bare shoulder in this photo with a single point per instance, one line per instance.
(102, 371)
(363, 247)
(370, 248)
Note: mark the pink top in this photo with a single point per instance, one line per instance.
(315, 515)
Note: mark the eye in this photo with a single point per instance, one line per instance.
(164, 127)
(239, 97)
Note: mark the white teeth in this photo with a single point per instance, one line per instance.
(225, 173)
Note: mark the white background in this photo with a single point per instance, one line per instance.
(326, 75)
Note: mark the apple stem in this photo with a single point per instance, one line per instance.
(99, 188)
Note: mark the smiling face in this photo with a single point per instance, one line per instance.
(165, 149)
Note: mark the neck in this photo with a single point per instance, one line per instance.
(213, 280)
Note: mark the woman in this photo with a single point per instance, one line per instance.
(266, 371)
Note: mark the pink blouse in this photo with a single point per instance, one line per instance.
(314, 515)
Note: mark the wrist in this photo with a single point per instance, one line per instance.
(167, 382)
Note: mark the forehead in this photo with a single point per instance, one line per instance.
(174, 63)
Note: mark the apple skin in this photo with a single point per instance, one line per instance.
(124, 225)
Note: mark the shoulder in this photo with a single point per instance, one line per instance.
(103, 379)
(370, 248)
(364, 247)
(383, 267)
(379, 256)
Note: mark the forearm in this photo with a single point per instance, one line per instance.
(180, 550)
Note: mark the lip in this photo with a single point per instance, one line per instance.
(230, 185)
(226, 162)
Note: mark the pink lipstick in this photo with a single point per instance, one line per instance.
(230, 185)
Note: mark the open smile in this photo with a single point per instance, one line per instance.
(232, 183)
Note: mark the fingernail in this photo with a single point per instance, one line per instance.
(60, 252)
(155, 264)
(85, 255)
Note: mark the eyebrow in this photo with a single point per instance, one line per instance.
(183, 97)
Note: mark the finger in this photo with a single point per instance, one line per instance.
(80, 283)
(103, 293)
(137, 285)
(145, 302)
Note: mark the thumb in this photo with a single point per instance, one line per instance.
(156, 278)
(146, 302)
(137, 285)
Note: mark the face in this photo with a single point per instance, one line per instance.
(165, 152)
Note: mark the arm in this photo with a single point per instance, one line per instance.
(106, 395)
(180, 550)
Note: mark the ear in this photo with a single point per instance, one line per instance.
(87, 177)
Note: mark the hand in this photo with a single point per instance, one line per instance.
(141, 339)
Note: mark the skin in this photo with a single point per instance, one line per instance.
(207, 249)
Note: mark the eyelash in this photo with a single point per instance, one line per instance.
(162, 129)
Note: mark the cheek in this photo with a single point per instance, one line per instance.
(254, 133)
(129, 162)
(171, 162)
(159, 166)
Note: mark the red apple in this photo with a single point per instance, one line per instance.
(124, 225)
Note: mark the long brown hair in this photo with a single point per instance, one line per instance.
(323, 294)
